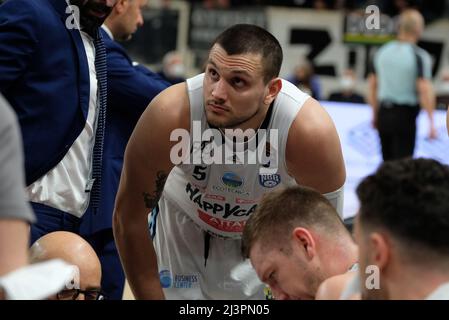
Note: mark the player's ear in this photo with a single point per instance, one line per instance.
(304, 240)
(121, 6)
(380, 250)
(274, 86)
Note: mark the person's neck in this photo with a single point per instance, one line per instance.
(110, 27)
(409, 38)
(415, 283)
(343, 256)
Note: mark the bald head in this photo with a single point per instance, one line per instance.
(411, 23)
(74, 250)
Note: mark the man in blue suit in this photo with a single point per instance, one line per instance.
(52, 71)
(131, 87)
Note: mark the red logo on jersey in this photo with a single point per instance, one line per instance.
(215, 197)
(246, 201)
(222, 225)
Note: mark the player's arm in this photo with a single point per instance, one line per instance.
(425, 91)
(313, 153)
(427, 101)
(13, 244)
(146, 166)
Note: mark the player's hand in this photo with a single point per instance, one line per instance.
(374, 121)
(433, 132)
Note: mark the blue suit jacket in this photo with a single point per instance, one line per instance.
(130, 90)
(44, 75)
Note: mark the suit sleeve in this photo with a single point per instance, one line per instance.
(131, 86)
(19, 24)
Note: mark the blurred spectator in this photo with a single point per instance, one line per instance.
(173, 68)
(347, 86)
(305, 79)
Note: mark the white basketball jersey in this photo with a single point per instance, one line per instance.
(219, 198)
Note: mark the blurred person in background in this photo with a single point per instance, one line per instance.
(347, 89)
(306, 80)
(173, 68)
(399, 86)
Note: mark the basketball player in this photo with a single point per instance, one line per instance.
(199, 208)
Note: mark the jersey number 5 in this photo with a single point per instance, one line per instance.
(199, 173)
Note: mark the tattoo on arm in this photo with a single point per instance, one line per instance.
(151, 200)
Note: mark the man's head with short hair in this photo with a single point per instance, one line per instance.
(126, 18)
(74, 250)
(295, 240)
(403, 224)
(246, 38)
(411, 23)
(241, 78)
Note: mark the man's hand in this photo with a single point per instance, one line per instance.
(433, 134)
(374, 120)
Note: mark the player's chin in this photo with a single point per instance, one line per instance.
(216, 120)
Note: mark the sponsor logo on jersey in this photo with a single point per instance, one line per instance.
(186, 281)
(232, 180)
(165, 278)
(269, 180)
(230, 190)
(246, 201)
(220, 224)
(215, 197)
(226, 210)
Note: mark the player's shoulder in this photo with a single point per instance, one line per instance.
(171, 106)
(312, 121)
(332, 288)
(292, 92)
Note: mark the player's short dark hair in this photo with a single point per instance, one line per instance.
(410, 199)
(247, 38)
